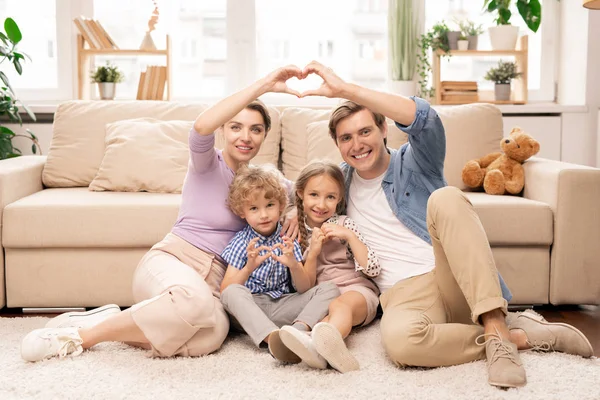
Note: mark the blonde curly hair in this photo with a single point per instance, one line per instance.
(251, 179)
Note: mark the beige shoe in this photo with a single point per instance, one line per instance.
(302, 345)
(505, 368)
(279, 350)
(551, 336)
(330, 344)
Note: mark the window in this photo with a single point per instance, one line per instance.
(541, 45)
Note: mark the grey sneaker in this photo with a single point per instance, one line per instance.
(505, 368)
(51, 342)
(280, 351)
(302, 345)
(83, 319)
(330, 344)
(551, 336)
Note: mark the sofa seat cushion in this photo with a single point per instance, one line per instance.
(513, 220)
(77, 217)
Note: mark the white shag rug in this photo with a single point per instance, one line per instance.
(241, 371)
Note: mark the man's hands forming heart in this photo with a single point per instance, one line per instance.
(331, 87)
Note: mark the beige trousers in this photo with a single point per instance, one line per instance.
(176, 287)
(432, 320)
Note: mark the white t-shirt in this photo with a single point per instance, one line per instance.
(401, 253)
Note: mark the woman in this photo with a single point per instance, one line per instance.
(176, 284)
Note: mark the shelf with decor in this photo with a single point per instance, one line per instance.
(85, 54)
(518, 93)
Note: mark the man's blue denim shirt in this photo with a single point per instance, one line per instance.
(417, 168)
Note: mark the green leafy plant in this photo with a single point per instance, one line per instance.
(108, 73)
(403, 30)
(503, 73)
(530, 11)
(469, 28)
(431, 41)
(9, 103)
(462, 37)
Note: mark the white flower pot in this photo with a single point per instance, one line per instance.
(504, 37)
(404, 88)
(502, 91)
(107, 90)
(463, 45)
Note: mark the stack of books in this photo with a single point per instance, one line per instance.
(459, 91)
(152, 83)
(94, 34)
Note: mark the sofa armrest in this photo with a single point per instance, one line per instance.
(19, 177)
(573, 193)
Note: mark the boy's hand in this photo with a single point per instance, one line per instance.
(316, 241)
(336, 231)
(287, 257)
(254, 259)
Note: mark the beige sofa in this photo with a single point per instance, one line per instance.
(65, 245)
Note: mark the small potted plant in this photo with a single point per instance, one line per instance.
(502, 75)
(463, 43)
(107, 76)
(471, 31)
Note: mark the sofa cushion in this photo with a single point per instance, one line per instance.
(144, 154)
(78, 138)
(77, 217)
(512, 220)
(472, 131)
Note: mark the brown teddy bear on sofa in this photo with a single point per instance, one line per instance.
(502, 173)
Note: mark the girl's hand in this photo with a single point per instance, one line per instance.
(254, 259)
(287, 257)
(316, 241)
(276, 80)
(332, 85)
(336, 231)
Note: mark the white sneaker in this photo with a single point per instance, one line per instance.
(328, 341)
(83, 319)
(301, 344)
(51, 342)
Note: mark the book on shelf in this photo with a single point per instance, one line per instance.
(94, 34)
(459, 91)
(152, 83)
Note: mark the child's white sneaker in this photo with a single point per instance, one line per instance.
(328, 341)
(301, 343)
(83, 319)
(51, 342)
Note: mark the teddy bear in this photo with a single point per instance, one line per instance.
(500, 173)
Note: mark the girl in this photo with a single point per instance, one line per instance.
(176, 284)
(333, 247)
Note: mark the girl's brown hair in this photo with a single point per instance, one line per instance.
(317, 168)
(248, 180)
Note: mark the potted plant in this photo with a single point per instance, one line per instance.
(502, 75)
(435, 39)
(403, 31)
(9, 103)
(107, 76)
(471, 31)
(463, 42)
(504, 35)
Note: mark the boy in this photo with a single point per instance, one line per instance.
(266, 285)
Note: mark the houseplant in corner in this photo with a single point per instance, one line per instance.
(434, 39)
(403, 36)
(107, 76)
(504, 35)
(9, 103)
(502, 75)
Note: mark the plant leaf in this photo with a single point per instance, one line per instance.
(6, 81)
(18, 66)
(34, 148)
(12, 30)
(6, 132)
(31, 134)
(29, 112)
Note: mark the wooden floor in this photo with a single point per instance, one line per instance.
(584, 318)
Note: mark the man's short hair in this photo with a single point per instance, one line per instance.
(347, 109)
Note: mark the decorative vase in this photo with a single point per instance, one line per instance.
(463, 45)
(453, 39)
(147, 42)
(404, 88)
(107, 90)
(472, 42)
(504, 37)
(502, 91)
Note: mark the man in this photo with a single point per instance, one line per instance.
(443, 300)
